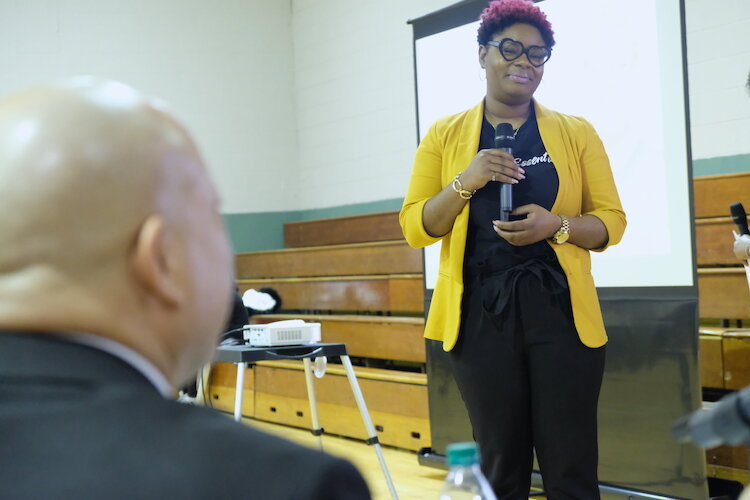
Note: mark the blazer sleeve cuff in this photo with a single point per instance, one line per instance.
(614, 222)
(412, 225)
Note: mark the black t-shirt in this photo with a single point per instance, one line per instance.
(483, 245)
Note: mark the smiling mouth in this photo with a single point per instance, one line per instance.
(519, 78)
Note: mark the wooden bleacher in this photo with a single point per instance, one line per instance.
(724, 305)
(359, 279)
(364, 284)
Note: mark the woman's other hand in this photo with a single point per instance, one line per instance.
(488, 165)
(586, 231)
(538, 225)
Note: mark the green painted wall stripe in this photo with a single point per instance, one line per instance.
(258, 231)
(721, 165)
(252, 232)
(347, 210)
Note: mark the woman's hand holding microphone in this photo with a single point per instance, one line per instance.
(496, 165)
(491, 165)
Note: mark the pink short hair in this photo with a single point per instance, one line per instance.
(501, 14)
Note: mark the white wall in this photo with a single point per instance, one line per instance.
(354, 98)
(718, 36)
(296, 104)
(225, 67)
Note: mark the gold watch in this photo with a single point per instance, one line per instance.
(562, 234)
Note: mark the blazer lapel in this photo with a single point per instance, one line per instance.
(468, 139)
(552, 137)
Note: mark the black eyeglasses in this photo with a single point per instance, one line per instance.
(512, 50)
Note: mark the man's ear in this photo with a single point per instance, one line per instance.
(153, 264)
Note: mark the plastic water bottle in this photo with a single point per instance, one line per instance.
(465, 480)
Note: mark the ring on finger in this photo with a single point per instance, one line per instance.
(493, 177)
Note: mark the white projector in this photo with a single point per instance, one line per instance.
(287, 332)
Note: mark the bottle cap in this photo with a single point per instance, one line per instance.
(462, 454)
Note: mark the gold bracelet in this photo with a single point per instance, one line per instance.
(457, 187)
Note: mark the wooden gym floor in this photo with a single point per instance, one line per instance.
(412, 481)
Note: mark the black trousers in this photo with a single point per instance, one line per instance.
(529, 383)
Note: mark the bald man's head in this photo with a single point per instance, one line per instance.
(80, 169)
(108, 211)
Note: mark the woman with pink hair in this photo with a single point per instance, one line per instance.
(515, 302)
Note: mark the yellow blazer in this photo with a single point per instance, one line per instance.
(586, 187)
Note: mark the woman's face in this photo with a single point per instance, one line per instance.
(512, 82)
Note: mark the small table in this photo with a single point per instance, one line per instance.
(243, 355)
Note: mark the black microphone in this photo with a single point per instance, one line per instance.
(739, 217)
(504, 141)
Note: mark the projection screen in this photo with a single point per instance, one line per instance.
(619, 70)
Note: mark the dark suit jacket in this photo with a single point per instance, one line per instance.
(79, 423)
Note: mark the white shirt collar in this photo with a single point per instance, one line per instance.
(129, 356)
